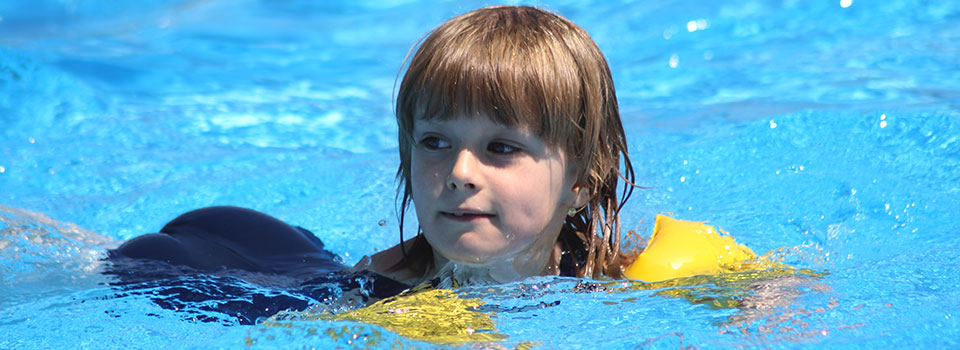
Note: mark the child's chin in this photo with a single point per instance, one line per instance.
(472, 250)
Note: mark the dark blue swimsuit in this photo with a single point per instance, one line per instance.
(180, 258)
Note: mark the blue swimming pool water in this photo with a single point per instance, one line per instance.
(830, 127)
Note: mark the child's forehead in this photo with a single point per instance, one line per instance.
(479, 119)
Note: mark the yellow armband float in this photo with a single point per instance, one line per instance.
(680, 248)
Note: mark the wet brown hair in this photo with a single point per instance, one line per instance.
(525, 67)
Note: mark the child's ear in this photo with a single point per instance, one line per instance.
(581, 195)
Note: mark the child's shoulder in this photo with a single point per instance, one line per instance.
(387, 263)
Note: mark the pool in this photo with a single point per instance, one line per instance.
(828, 127)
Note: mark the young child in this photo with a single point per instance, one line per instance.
(510, 148)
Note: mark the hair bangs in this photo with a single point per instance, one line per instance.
(515, 74)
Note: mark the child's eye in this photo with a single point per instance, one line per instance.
(501, 148)
(434, 143)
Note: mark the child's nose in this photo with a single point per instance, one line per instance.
(463, 175)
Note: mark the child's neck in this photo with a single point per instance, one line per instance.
(452, 274)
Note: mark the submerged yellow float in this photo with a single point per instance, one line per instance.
(421, 313)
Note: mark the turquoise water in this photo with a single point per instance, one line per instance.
(831, 127)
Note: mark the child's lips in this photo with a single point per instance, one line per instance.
(466, 215)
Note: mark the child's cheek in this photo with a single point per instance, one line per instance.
(424, 177)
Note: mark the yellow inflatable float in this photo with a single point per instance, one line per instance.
(681, 248)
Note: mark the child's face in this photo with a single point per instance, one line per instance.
(485, 191)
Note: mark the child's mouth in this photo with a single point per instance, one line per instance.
(465, 216)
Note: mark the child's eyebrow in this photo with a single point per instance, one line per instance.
(515, 130)
(423, 122)
(419, 125)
